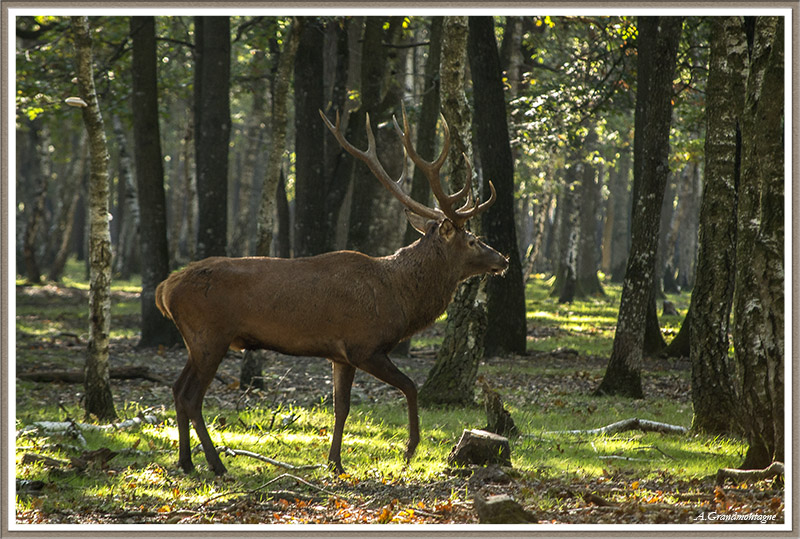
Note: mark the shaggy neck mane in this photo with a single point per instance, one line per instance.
(425, 280)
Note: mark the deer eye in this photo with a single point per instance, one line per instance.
(472, 242)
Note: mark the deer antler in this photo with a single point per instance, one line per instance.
(431, 169)
(370, 157)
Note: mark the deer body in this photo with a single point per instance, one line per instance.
(344, 306)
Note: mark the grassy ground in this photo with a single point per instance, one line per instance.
(130, 475)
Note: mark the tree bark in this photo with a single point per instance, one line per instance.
(714, 395)
(759, 301)
(31, 241)
(252, 362)
(588, 283)
(619, 190)
(373, 208)
(154, 252)
(241, 244)
(266, 210)
(452, 378)
(127, 241)
(658, 44)
(506, 329)
(212, 121)
(310, 217)
(99, 401)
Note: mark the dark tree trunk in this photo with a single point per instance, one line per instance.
(714, 397)
(35, 221)
(309, 222)
(621, 235)
(284, 247)
(254, 144)
(428, 116)
(657, 44)
(588, 283)
(98, 401)
(565, 284)
(759, 301)
(371, 202)
(212, 121)
(154, 253)
(505, 305)
(128, 214)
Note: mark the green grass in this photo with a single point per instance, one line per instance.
(542, 396)
(584, 325)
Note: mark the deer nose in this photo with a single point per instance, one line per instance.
(502, 265)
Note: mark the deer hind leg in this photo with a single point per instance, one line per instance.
(343, 375)
(382, 368)
(189, 390)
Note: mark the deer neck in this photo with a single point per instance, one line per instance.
(425, 281)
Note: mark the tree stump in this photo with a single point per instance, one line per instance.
(481, 448)
(498, 418)
(501, 509)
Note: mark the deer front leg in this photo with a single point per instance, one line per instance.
(382, 368)
(343, 375)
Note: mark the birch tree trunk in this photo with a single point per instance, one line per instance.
(251, 369)
(99, 401)
(266, 210)
(714, 396)
(759, 301)
(452, 378)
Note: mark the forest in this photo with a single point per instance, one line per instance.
(581, 320)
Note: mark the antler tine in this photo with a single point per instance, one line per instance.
(432, 169)
(480, 208)
(370, 158)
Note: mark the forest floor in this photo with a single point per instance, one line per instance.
(130, 476)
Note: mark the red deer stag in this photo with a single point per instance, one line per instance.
(344, 306)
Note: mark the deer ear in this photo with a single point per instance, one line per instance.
(447, 229)
(420, 224)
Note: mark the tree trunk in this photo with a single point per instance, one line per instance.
(759, 302)
(588, 283)
(309, 224)
(452, 379)
(428, 116)
(99, 401)
(154, 252)
(251, 369)
(687, 235)
(564, 286)
(657, 43)
(241, 244)
(373, 207)
(39, 143)
(506, 329)
(212, 122)
(129, 202)
(619, 190)
(714, 396)
(266, 210)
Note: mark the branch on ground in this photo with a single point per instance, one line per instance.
(241, 452)
(775, 469)
(644, 425)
